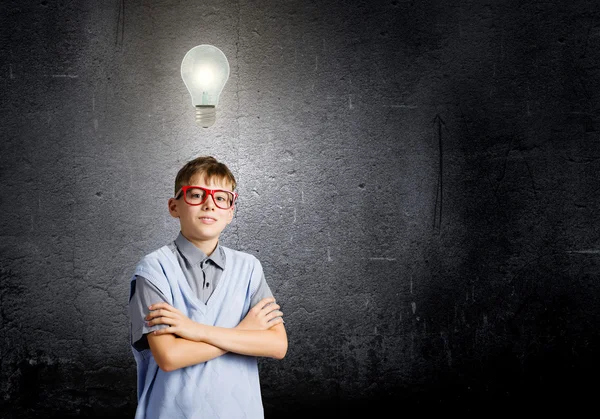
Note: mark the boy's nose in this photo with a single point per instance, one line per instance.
(209, 203)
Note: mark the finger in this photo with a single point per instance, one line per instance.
(276, 320)
(265, 301)
(162, 305)
(165, 306)
(267, 312)
(160, 313)
(165, 331)
(271, 307)
(158, 305)
(274, 314)
(161, 320)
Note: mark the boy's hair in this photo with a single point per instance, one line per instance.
(206, 165)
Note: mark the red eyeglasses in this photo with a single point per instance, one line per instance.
(197, 195)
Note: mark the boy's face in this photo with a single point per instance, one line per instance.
(202, 224)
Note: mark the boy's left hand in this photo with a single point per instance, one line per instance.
(179, 324)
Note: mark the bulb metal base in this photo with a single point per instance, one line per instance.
(206, 115)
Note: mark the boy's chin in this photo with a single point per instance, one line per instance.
(202, 235)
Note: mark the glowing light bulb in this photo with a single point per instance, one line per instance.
(205, 71)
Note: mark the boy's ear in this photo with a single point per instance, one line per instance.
(173, 208)
(230, 215)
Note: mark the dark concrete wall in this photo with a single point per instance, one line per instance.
(419, 179)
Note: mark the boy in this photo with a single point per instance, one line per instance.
(202, 313)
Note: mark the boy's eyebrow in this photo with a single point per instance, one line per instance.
(213, 188)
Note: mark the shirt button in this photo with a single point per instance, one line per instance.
(207, 284)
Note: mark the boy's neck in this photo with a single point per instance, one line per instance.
(208, 247)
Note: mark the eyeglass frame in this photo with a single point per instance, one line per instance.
(208, 192)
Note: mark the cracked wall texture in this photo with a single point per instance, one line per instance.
(418, 178)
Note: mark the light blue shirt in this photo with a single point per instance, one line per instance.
(202, 273)
(225, 387)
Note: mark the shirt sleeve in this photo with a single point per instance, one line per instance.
(144, 295)
(263, 291)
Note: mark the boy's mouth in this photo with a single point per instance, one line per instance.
(208, 220)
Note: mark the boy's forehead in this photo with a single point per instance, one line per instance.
(200, 179)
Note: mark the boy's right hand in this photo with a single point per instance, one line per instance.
(262, 316)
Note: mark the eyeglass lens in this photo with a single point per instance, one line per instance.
(197, 196)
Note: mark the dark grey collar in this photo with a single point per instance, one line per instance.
(195, 256)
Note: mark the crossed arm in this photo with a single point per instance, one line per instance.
(185, 342)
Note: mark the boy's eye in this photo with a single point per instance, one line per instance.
(195, 194)
(222, 196)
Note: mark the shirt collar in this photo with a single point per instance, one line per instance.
(194, 255)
